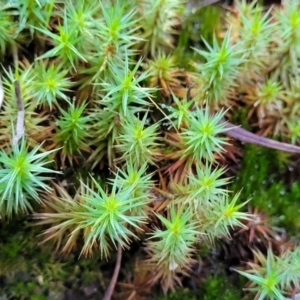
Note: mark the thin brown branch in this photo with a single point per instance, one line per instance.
(246, 136)
(20, 129)
(113, 281)
(1, 93)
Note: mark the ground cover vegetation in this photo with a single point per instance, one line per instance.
(123, 173)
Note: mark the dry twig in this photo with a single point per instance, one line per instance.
(20, 129)
(1, 93)
(113, 281)
(246, 136)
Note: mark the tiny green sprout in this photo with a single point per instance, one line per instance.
(287, 37)
(113, 41)
(82, 17)
(164, 72)
(288, 26)
(293, 130)
(124, 88)
(108, 215)
(138, 142)
(22, 177)
(50, 84)
(227, 215)
(201, 137)
(266, 277)
(218, 74)
(204, 187)
(118, 26)
(180, 114)
(102, 217)
(246, 9)
(65, 45)
(290, 260)
(34, 13)
(172, 248)
(158, 22)
(72, 131)
(8, 29)
(256, 33)
(137, 177)
(267, 99)
(105, 129)
(268, 94)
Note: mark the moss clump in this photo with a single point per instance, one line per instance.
(218, 287)
(30, 271)
(262, 177)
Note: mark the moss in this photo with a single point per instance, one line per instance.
(36, 272)
(116, 62)
(262, 178)
(218, 287)
(180, 294)
(214, 287)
